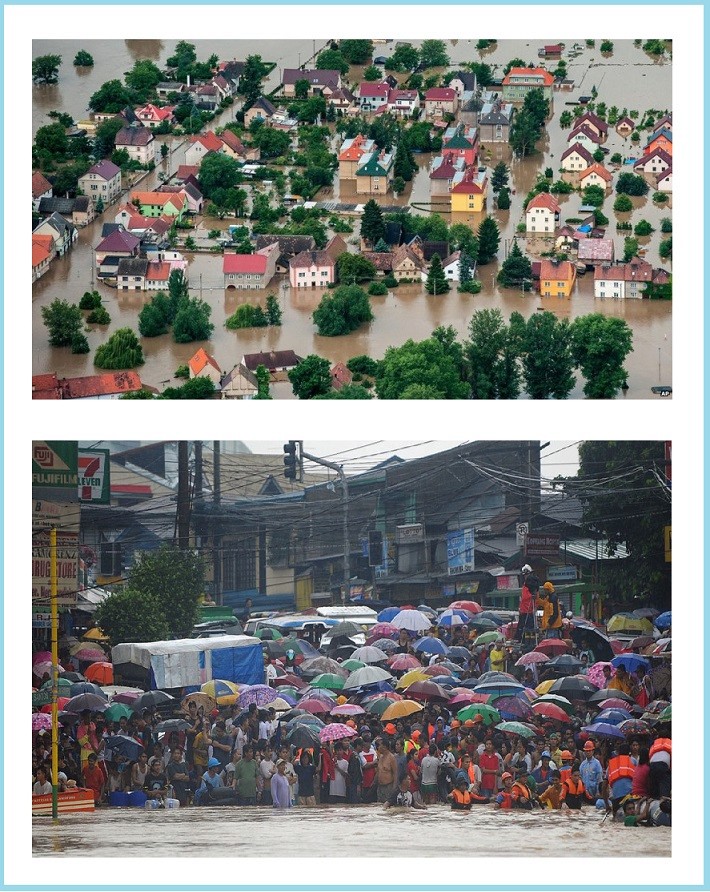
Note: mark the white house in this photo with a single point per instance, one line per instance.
(542, 214)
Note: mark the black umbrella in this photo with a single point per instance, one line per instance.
(319, 665)
(86, 701)
(482, 624)
(123, 745)
(276, 649)
(573, 687)
(565, 663)
(72, 676)
(173, 725)
(86, 687)
(459, 654)
(607, 693)
(345, 630)
(151, 700)
(344, 652)
(292, 714)
(304, 736)
(427, 611)
(589, 638)
(493, 617)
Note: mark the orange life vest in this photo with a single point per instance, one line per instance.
(520, 791)
(462, 798)
(620, 766)
(575, 789)
(662, 745)
(507, 799)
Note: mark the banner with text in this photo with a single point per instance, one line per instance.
(459, 552)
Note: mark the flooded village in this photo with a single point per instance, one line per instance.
(352, 219)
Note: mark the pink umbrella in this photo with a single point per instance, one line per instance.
(437, 669)
(403, 662)
(126, 697)
(314, 706)
(384, 630)
(336, 731)
(531, 694)
(531, 658)
(40, 669)
(619, 647)
(613, 703)
(42, 656)
(464, 699)
(348, 709)
(471, 696)
(595, 674)
(41, 721)
(90, 655)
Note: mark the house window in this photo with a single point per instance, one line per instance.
(560, 284)
(94, 186)
(324, 273)
(301, 275)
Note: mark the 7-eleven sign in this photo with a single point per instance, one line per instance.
(94, 476)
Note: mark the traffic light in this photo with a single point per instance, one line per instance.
(291, 461)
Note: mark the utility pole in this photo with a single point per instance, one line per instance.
(216, 536)
(183, 498)
(197, 493)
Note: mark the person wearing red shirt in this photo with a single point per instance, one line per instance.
(640, 779)
(526, 608)
(94, 778)
(490, 764)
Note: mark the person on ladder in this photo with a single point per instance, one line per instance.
(526, 609)
(551, 616)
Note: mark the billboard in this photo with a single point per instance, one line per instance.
(65, 519)
(542, 545)
(459, 552)
(54, 470)
(94, 476)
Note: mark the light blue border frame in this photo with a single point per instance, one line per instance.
(706, 538)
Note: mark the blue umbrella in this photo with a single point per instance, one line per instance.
(453, 618)
(86, 687)
(388, 614)
(123, 745)
(459, 654)
(630, 662)
(663, 621)
(613, 716)
(446, 681)
(499, 690)
(603, 729)
(431, 646)
(380, 687)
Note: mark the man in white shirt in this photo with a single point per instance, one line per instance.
(267, 769)
(270, 670)
(430, 776)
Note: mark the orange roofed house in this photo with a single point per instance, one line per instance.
(202, 365)
(556, 279)
(109, 386)
(542, 215)
(42, 254)
(518, 82)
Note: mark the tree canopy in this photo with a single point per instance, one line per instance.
(45, 69)
(311, 377)
(600, 345)
(420, 370)
(341, 312)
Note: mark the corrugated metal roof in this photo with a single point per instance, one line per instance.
(592, 549)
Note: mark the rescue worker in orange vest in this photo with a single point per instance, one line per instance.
(574, 793)
(565, 768)
(551, 623)
(412, 742)
(620, 771)
(522, 796)
(505, 798)
(659, 777)
(460, 797)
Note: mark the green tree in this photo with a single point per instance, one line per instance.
(357, 52)
(273, 310)
(311, 110)
(631, 248)
(143, 78)
(84, 59)
(192, 322)
(404, 58)
(524, 133)
(432, 54)
(121, 351)
(250, 82)
(436, 280)
(377, 289)
(45, 69)
(52, 138)
(492, 352)
(600, 345)
(537, 106)
(372, 74)
(503, 201)
(111, 97)
(152, 319)
(105, 138)
(247, 316)
(363, 365)
(665, 249)
(623, 204)
(419, 368)
(593, 195)
(499, 177)
(99, 316)
(263, 380)
(625, 502)
(190, 243)
(90, 300)
(606, 46)
(465, 268)
(311, 377)
(345, 310)
(302, 88)
(630, 184)
(461, 238)
(347, 392)
(488, 240)
(128, 616)
(404, 164)
(182, 59)
(353, 268)
(332, 60)
(372, 227)
(218, 171)
(63, 321)
(547, 357)
(175, 580)
(200, 388)
(271, 143)
(483, 72)
(516, 269)
(666, 224)
(643, 227)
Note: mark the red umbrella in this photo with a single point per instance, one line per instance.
(426, 690)
(471, 606)
(291, 680)
(61, 703)
(613, 703)
(464, 699)
(471, 696)
(619, 647)
(42, 656)
(403, 662)
(101, 673)
(530, 659)
(437, 669)
(553, 647)
(314, 706)
(127, 697)
(550, 711)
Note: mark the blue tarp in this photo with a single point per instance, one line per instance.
(240, 664)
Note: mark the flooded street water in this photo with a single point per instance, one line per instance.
(344, 832)
(628, 78)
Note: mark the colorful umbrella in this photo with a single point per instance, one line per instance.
(319, 694)
(532, 658)
(322, 665)
(630, 662)
(602, 729)
(453, 618)
(367, 676)
(595, 674)
(260, 694)
(61, 703)
(403, 662)
(613, 703)
(617, 646)
(336, 731)
(89, 655)
(378, 706)
(41, 721)
(317, 707)
(369, 654)
(118, 711)
(201, 699)
(282, 703)
(388, 645)
(557, 700)
(39, 670)
(127, 697)
(663, 621)
(634, 728)
(412, 621)
(290, 693)
(499, 689)
(224, 693)
(347, 709)
(553, 646)
(463, 698)
(627, 622)
(328, 680)
(516, 728)
(351, 665)
(436, 669)
(489, 714)
(511, 708)
(641, 642)
(290, 680)
(426, 690)
(400, 709)
(550, 711)
(101, 673)
(468, 606)
(378, 695)
(384, 630)
(431, 646)
(666, 715)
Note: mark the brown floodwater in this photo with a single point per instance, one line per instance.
(628, 78)
(343, 832)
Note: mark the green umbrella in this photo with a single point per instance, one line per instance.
(352, 665)
(328, 680)
(378, 706)
(489, 714)
(665, 716)
(62, 683)
(516, 728)
(268, 634)
(488, 637)
(562, 702)
(289, 691)
(118, 711)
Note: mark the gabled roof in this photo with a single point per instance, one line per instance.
(665, 174)
(353, 149)
(496, 113)
(581, 151)
(244, 263)
(451, 259)
(460, 137)
(440, 94)
(63, 206)
(662, 131)
(445, 166)
(209, 140)
(315, 77)
(467, 78)
(154, 113)
(402, 96)
(598, 169)
(404, 252)
(105, 169)
(242, 373)
(381, 260)
(589, 116)
(273, 360)
(544, 200)
(49, 387)
(134, 136)
(232, 141)
(288, 244)
(263, 104)
(158, 271)
(40, 184)
(374, 165)
(132, 266)
(201, 360)
(536, 74)
(564, 270)
(584, 130)
(340, 375)
(119, 241)
(57, 222)
(471, 182)
(644, 159)
(177, 199)
(187, 170)
(625, 120)
(40, 251)
(371, 91)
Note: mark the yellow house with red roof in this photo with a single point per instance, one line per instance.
(469, 190)
(557, 278)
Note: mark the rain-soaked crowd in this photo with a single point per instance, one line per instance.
(260, 757)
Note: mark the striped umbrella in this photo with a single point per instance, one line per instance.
(336, 731)
(347, 709)
(222, 692)
(453, 618)
(557, 700)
